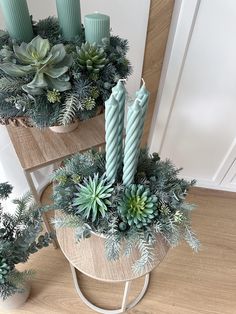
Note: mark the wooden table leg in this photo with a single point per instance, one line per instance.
(38, 201)
(124, 307)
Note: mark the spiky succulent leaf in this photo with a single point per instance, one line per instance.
(93, 196)
(138, 207)
(91, 57)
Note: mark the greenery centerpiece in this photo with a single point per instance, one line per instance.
(19, 238)
(53, 80)
(127, 195)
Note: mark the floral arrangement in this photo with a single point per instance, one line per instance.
(126, 194)
(19, 238)
(133, 215)
(53, 80)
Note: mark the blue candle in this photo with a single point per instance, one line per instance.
(97, 27)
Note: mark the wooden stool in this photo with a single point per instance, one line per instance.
(87, 256)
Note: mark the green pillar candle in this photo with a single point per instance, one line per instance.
(112, 127)
(119, 93)
(97, 27)
(17, 19)
(69, 15)
(132, 142)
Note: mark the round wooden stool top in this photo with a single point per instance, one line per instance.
(88, 256)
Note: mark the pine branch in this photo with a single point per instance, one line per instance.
(11, 85)
(191, 239)
(68, 221)
(18, 279)
(147, 256)
(69, 110)
(113, 241)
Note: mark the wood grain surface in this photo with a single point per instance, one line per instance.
(37, 148)
(184, 283)
(157, 35)
(88, 256)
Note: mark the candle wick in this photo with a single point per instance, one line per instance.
(123, 80)
(143, 81)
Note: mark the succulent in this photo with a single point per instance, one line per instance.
(49, 66)
(53, 96)
(91, 57)
(89, 103)
(93, 196)
(138, 207)
(4, 270)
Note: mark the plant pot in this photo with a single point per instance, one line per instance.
(64, 128)
(16, 300)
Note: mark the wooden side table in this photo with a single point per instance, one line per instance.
(37, 148)
(87, 256)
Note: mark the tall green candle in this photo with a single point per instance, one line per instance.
(69, 15)
(112, 128)
(132, 142)
(17, 19)
(97, 27)
(119, 93)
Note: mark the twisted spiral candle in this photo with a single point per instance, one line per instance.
(112, 127)
(132, 142)
(119, 92)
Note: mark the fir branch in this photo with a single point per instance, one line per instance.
(11, 85)
(113, 241)
(18, 279)
(191, 239)
(68, 221)
(147, 256)
(70, 108)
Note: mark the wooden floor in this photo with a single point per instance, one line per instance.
(185, 283)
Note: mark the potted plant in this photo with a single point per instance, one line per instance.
(127, 217)
(19, 238)
(55, 81)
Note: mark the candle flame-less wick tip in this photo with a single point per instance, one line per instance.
(123, 80)
(143, 81)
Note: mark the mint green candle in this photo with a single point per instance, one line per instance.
(132, 142)
(69, 15)
(119, 91)
(17, 19)
(112, 128)
(143, 95)
(97, 27)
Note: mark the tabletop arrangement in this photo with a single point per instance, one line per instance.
(57, 70)
(127, 196)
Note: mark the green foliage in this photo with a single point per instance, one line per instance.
(48, 65)
(153, 206)
(91, 58)
(83, 85)
(18, 240)
(138, 207)
(92, 197)
(5, 190)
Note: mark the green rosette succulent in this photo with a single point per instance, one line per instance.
(48, 65)
(93, 196)
(138, 207)
(4, 270)
(91, 57)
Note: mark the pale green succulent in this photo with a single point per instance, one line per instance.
(93, 196)
(49, 66)
(138, 207)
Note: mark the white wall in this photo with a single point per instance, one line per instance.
(195, 123)
(128, 19)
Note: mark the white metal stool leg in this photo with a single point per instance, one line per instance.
(124, 306)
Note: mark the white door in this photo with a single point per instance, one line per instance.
(194, 124)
